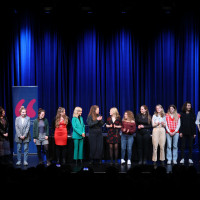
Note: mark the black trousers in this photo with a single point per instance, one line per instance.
(189, 139)
(39, 147)
(96, 144)
(61, 152)
(143, 145)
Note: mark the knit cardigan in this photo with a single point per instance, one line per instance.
(35, 128)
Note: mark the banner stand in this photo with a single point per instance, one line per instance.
(26, 96)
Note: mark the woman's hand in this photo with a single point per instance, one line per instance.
(99, 118)
(124, 129)
(163, 124)
(5, 135)
(83, 134)
(109, 126)
(22, 137)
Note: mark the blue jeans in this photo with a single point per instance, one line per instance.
(126, 140)
(175, 146)
(19, 151)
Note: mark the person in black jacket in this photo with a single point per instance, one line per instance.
(95, 123)
(187, 130)
(4, 140)
(143, 134)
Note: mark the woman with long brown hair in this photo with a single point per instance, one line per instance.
(128, 129)
(60, 134)
(40, 135)
(5, 152)
(172, 129)
(143, 121)
(95, 123)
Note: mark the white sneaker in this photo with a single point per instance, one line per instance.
(18, 163)
(169, 162)
(129, 162)
(190, 161)
(25, 163)
(122, 161)
(175, 162)
(182, 161)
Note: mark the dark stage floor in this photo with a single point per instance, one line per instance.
(102, 168)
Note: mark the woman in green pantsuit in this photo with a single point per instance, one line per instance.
(78, 134)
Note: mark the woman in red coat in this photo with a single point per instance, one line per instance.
(60, 134)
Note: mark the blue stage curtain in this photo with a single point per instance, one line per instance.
(111, 66)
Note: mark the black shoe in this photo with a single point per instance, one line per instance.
(80, 162)
(140, 162)
(144, 162)
(154, 163)
(162, 163)
(111, 162)
(64, 162)
(91, 162)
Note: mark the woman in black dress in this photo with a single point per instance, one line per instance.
(114, 125)
(95, 123)
(5, 152)
(143, 134)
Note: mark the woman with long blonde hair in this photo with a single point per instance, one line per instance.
(159, 134)
(114, 125)
(60, 134)
(78, 134)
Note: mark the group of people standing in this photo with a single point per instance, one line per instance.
(161, 127)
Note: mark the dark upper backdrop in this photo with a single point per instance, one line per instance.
(103, 55)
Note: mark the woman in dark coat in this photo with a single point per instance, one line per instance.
(4, 140)
(187, 130)
(95, 123)
(143, 134)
